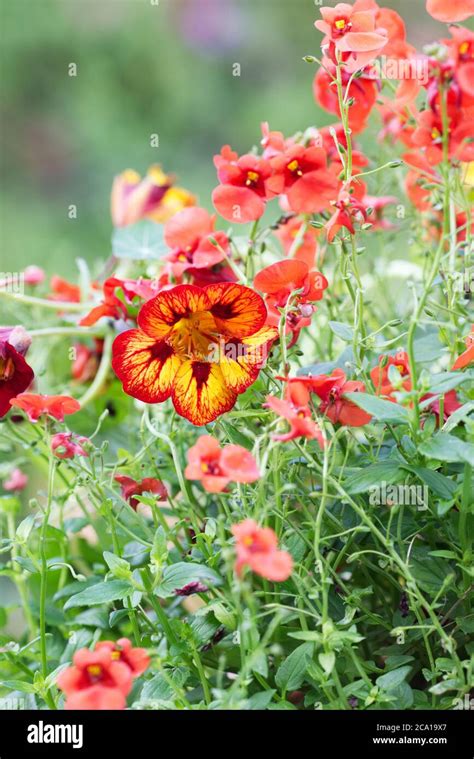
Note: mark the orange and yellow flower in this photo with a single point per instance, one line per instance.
(199, 346)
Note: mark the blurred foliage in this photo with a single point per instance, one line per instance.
(142, 69)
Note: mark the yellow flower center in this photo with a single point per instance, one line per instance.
(252, 178)
(192, 335)
(95, 670)
(294, 167)
(340, 23)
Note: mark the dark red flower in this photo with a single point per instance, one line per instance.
(15, 374)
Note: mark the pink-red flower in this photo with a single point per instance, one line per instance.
(122, 650)
(380, 374)
(16, 481)
(350, 209)
(65, 445)
(244, 189)
(296, 411)
(215, 467)
(301, 173)
(191, 235)
(331, 389)
(257, 548)
(351, 35)
(15, 374)
(450, 10)
(102, 679)
(36, 405)
(131, 488)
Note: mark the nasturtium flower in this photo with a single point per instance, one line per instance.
(62, 290)
(295, 409)
(36, 405)
(134, 198)
(199, 346)
(130, 488)
(257, 548)
(215, 467)
(15, 374)
(302, 175)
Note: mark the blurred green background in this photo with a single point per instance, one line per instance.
(141, 69)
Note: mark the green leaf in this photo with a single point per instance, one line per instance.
(394, 678)
(445, 381)
(292, 671)
(382, 411)
(182, 573)
(438, 483)
(327, 661)
(445, 447)
(119, 567)
(141, 241)
(383, 471)
(431, 573)
(18, 685)
(102, 593)
(260, 700)
(343, 331)
(459, 415)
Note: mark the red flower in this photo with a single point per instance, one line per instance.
(351, 35)
(215, 467)
(111, 305)
(362, 92)
(379, 374)
(331, 390)
(63, 290)
(450, 404)
(244, 186)
(65, 445)
(136, 659)
(189, 234)
(257, 548)
(304, 246)
(96, 680)
(467, 357)
(450, 10)
(130, 488)
(429, 134)
(301, 173)
(349, 210)
(15, 374)
(134, 198)
(16, 481)
(279, 280)
(283, 278)
(86, 362)
(295, 409)
(36, 405)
